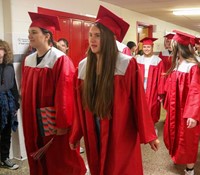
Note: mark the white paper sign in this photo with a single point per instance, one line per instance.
(20, 44)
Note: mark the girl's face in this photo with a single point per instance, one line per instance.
(168, 44)
(2, 52)
(148, 50)
(197, 47)
(95, 39)
(37, 38)
(63, 46)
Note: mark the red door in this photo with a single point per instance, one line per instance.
(75, 29)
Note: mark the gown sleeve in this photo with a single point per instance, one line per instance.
(161, 78)
(63, 100)
(143, 118)
(76, 129)
(192, 106)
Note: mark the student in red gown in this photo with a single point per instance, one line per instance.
(47, 78)
(109, 106)
(165, 55)
(151, 67)
(181, 129)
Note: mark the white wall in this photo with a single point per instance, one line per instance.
(15, 21)
(1, 21)
(21, 20)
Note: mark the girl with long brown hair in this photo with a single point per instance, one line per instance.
(9, 104)
(182, 102)
(109, 108)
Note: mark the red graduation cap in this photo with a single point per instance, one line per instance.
(114, 23)
(183, 38)
(148, 41)
(50, 23)
(169, 35)
(197, 40)
(192, 41)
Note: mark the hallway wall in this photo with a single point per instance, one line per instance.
(21, 21)
(1, 21)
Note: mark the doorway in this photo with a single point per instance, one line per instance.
(143, 30)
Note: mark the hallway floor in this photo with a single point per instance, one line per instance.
(154, 163)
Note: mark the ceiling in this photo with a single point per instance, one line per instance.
(162, 9)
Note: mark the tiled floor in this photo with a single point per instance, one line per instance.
(154, 163)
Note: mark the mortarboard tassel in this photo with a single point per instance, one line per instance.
(39, 153)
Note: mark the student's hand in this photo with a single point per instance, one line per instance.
(15, 113)
(154, 144)
(191, 123)
(161, 98)
(74, 146)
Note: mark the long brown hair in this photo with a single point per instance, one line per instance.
(98, 90)
(8, 56)
(186, 52)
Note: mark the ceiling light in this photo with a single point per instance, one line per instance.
(88, 15)
(187, 12)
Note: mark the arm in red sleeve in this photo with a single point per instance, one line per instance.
(141, 112)
(63, 99)
(192, 106)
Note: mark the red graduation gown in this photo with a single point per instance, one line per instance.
(182, 102)
(49, 84)
(166, 58)
(120, 137)
(155, 84)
